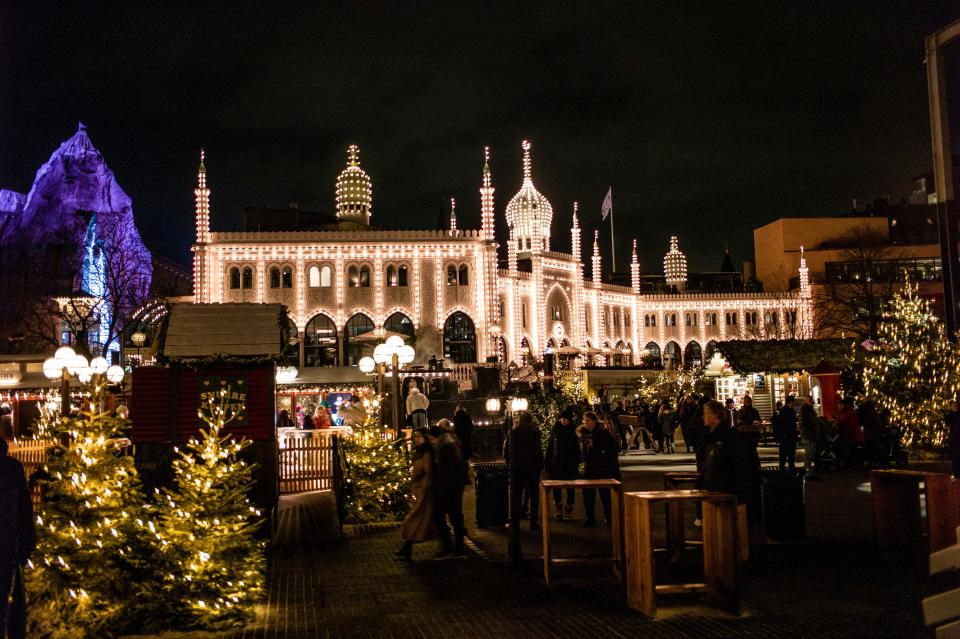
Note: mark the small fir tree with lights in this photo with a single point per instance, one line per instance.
(93, 534)
(213, 563)
(378, 471)
(912, 370)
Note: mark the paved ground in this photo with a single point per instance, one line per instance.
(824, 588)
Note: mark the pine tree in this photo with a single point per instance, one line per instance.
(92, 534)
(212, 559)
(378, 481)
(912, 371)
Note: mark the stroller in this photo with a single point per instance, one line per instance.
(832, 451)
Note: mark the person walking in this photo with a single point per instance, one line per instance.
(851, 434)
(653, 423)
(685, 413)
(600, 461)
(748, 424)
(668, 421)
(725, 465)
(524, 458)
(463, 428)
(953, 427)
(419, 524)
(785, 433)
(17, 536)
(447, 493)
(809, 432)
(417, 404)
(563, 460)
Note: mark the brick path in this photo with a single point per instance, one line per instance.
(354, 588)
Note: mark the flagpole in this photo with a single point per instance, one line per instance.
(613, 248)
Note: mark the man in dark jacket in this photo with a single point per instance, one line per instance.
(786, 434)
(463, 429)
(524, 458)
(563, 459)
(726, 468)
(809, 434)
(448, 481)
(17, 535)
(599, 453)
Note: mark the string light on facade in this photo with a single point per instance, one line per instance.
(529, 213)
(675, 266)
(453, 216)
(354, 195)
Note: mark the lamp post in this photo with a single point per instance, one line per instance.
(395, 353)
(138, 339)
(66, 363)
(514, 547)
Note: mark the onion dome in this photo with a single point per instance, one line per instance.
(354, 190)
(675, 265)
(529, 213)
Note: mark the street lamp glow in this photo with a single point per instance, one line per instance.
(405, 354)
(382, 354)
(138, 338)
(286, 374)
(52, 368)
(493, 405)
(115, 374)
(394, 341)
(78, 365)
(519, 404)
(64, 354)
(99, 365)
(366, 365)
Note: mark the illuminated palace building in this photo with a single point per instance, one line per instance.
(348, 284)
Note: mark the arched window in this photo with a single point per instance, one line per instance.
(460, 339)
(523, 314)
(463, 277)
(287, 277)
(391, 275)
(556, 312)
(320, 342)
(353, 277)
(248, 277)
(274, 277)
(691, 319)
(353, 349)
(400, 323)
(364, 276)
(451, 275)
(711, 349)
(326, 277)
(652, 357)
(692, 354)
(402, 275)
(671, 355)
(314, 277)
(234, 277)
(586, 317)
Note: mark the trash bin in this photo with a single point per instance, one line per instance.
(783, 512)
(492, 493)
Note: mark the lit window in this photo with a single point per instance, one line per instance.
(326, 277)
(364, 276)
(314, 277)
(391, 275)
(353, 277)
(451, 275)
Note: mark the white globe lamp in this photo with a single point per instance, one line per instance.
(395, 341)
(493, 405)
(65, 354)
(115, 374)
(406, 354)
(99, 365)
(382, 354)
(78, 365)
(366, 365)
(52, 368)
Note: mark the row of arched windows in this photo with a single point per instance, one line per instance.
(322, 276)
(458, 276)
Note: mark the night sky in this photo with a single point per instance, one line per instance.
(708, 118)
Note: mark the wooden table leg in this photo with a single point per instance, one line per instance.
(616, 529)
(641, 587)
(941, 512)
(545, 519)
(676, 535)
(720, 553)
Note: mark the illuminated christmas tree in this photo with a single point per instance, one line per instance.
(212, 560)
(378, 467)
(912, 370)
(92, 534)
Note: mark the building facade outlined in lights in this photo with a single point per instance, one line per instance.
(443, 291)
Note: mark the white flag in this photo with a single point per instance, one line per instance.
(607, 207)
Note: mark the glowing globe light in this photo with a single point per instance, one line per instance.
(115, 374)
(65, 354)
(99, 365)
(395, 341)
(406, 354)
(84, 376)
(382, 354)
(493, 405)
(519, 404)
(366, 365)
(52, 368)
(78, 365)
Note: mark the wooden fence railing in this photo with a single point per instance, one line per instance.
(33, 455)
(306, 460)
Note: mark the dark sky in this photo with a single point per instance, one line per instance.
(708, 118)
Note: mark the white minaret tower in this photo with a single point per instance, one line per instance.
(529, 213)
(806, 299)
(200, 266)
(486, 199)
(453, 216)
(635, 270)
(354, 194)
(596, 259)
(675, 266)
(575, 235)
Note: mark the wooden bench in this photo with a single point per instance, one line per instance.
(721, 566)
(897, 518)
(616, 525)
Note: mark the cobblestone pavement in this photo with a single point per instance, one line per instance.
(355, 588)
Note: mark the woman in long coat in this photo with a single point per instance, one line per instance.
(418, 525)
